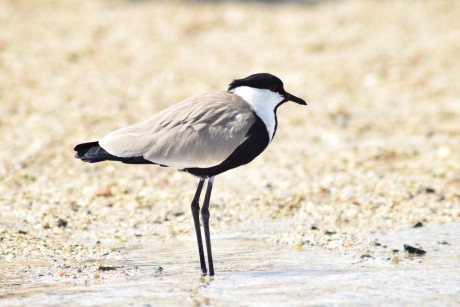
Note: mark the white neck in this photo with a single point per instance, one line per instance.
(263, 102)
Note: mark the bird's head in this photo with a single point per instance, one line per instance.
(263, 86)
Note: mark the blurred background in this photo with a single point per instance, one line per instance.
(376, 148)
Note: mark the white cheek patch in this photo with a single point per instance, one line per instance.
(263, 102)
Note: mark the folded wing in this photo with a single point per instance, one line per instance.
(199, 132)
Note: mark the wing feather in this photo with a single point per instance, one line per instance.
(198, 132)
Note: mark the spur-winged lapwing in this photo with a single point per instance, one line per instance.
(204, 136)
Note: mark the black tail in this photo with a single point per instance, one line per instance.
(92, 152)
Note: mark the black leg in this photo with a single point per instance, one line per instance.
(205, 217)
(196, 219)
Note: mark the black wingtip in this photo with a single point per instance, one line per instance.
(86, 151)
(92, 152)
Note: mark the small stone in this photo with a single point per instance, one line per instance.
(395, 259)
(414, 250)
(443, 152)
(429, 190)
(330, 233)
(443, 242)
(298, 246)
(173, 214)
(61, 223)
(418, 225)
(104, 192)
(107, 268)
(365, 256)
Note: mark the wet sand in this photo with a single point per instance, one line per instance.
(253, 272)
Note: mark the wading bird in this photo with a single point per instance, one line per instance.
(204, 135)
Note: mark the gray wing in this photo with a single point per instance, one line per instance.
(199, 132)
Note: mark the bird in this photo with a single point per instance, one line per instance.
(204, 136)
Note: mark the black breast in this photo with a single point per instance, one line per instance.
(256, 142)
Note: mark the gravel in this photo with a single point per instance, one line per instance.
(375, 150)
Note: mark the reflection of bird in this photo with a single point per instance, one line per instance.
(204, 136)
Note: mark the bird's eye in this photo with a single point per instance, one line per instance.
(273, 88)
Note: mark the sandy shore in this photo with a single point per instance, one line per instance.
(375, 151)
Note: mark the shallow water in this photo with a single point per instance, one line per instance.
(254, 272)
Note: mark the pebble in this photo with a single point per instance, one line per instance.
(61, 223)
(414, 250)
(104, 192)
